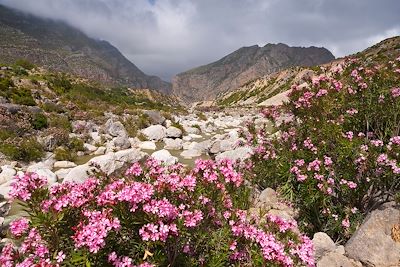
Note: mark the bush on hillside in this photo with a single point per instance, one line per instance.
(24, 149)
(336, 152)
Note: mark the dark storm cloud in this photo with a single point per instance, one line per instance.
(164, 37)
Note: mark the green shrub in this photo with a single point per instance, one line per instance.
(60, 121)
(336, 157)
(39, 121)
(22, 96)
(76, 144)
(24, 149)
(201, 116)
(62, 153)
(24, 64)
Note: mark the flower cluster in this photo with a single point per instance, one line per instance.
(154, 210)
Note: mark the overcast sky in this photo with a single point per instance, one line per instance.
(165, 37)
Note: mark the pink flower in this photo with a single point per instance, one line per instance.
(19, 227)
(60, 256)
(395, 92)
(346, 223)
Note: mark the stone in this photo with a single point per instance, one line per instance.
(267, 197)
(174, 132)
(155, 132)
(215, 147)
(334, 259)
(372, 243)
(155, 116)
(78, 174)
(165, 157)
(323, 244)
(203, 146)
(191, 130)
(62, 173)
(191, 153)
(7, 174)
(195, 136)
(173, 144)
(100, 151)
(148, 145)
(49, 142)
(89, 147)
(122, 142)
(43, 172)
(64, 164)
(115, 128)
(96, 137)
(187, 138)
(238, 154)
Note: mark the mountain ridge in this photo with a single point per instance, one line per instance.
(61, 47)
(247, 63)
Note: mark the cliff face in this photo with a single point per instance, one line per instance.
(60, 47)
(241, 66)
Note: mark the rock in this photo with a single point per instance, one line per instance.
(43, 172)
(122, 142)
(78, 174)
(174, 132)
(5, 190)
(203, 146)
(115, 128)
(112, 162)
(195, 136)
(187, 138)
(154, 132)
(372, 244)
(334, 259)
(191, 130)
(323, 244)
(240, 153)
(215, 147)
(64, 164)
(267, 197)
(191, 153)
(173, 144)
(155, 116)
(168, 123)
(100, 151)
(149, 145)
(89, 147)
(7, 174)
(5, 207)
(49, 142)
(80, 153)
(96, 137)
(62, 173)
(165, 157)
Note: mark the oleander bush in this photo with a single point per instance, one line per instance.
(336, 150)
(153, 215)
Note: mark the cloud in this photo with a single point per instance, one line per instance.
(164, 37)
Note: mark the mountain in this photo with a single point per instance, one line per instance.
(272, 89)
(241, 66)
(60, 47)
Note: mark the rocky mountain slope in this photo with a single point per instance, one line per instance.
(59, 47)
(241, 66)
(272, 89)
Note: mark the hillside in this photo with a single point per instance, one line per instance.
(60, 47)
(241, 66)
(272, 89)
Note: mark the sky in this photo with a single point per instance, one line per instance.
(165, 37)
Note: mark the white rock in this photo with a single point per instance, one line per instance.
(187, 138)
(43, 172)
(165, 157)
(7, 174)
(191, 130)
(195, 136)
(78, 174)
(62, 173)
(173, 132)
(96, 137)
(154, 132)
(323, 244)
(115, 128)
(149, 145)
(240, 153)
(100, 151)
(173, 144)
(89, 147)
(64, 164)
(191, 153)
